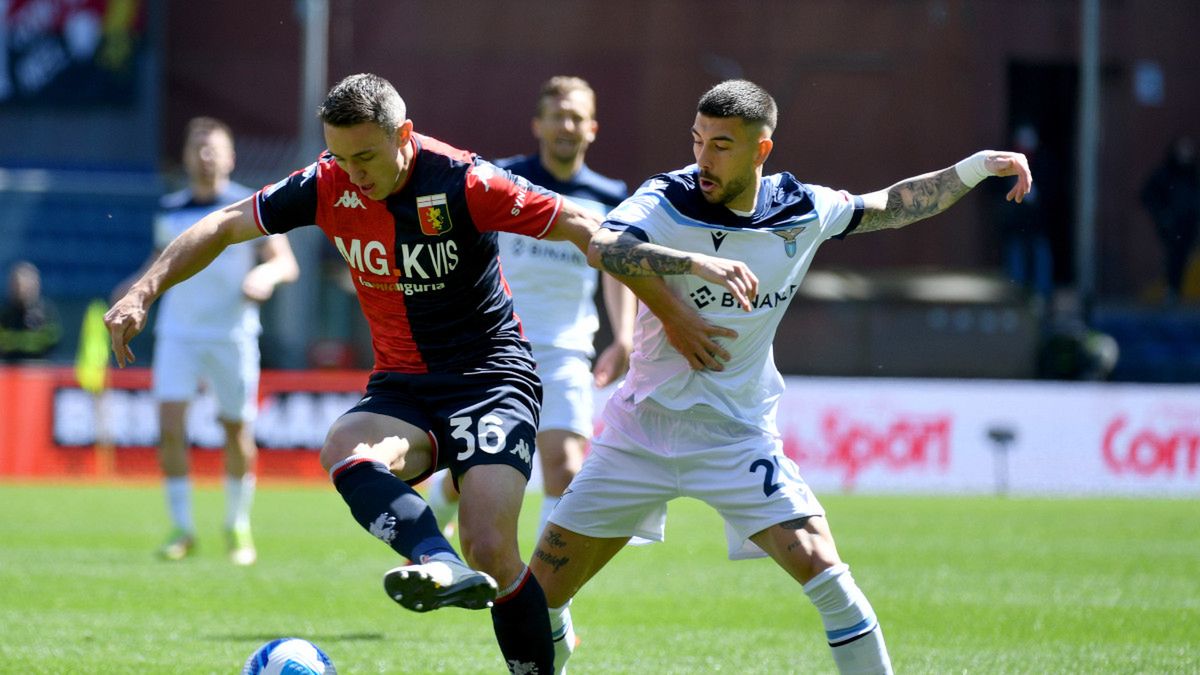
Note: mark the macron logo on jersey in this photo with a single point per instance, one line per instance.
(350, 200)
(718, 237)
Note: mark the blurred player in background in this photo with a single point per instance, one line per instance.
(29, 325)
(672, 431)
(207, 332)
(554, 289)
(454, 384)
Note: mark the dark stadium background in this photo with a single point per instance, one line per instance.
(870, 91)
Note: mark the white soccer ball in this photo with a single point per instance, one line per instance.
(289, 656)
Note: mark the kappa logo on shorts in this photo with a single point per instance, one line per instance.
(350, 200)
(521, 449)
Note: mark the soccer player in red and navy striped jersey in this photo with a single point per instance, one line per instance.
(454, 384)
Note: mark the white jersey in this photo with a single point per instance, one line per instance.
(777, 242)
(209, 305)
(552, 285)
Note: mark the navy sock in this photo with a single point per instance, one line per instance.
(522, 624)
(389, 509)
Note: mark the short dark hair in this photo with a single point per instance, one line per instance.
(562, 85)
(205, 125)
(363, 98)
(740, 98)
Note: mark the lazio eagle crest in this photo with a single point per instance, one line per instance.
(789, 238)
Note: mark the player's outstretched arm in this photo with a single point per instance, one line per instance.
(626, 255)
(189, 253)
(574, 223)
(929, 194)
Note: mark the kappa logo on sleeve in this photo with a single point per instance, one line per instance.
(350, 200)
(434, 214)
(484, 172)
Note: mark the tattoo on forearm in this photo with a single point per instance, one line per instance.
(555, 561)
(916, 199)
(555, 540)
(631, 257)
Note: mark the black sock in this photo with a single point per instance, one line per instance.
(522, 625)
(389, 509)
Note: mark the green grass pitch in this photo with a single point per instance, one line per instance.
(960, 584)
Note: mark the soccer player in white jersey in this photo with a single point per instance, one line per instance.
(673, 430)
(207, 330)
(553, 289)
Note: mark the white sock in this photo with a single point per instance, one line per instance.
(179, 501)
(850, 626)
(443, 509)
(239, 497)
(548, 504)
(563, 632)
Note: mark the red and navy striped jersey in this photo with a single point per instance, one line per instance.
(425, 260)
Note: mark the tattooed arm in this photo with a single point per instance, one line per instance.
(929, 194)
(623, 254)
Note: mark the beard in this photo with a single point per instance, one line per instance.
(726, 191)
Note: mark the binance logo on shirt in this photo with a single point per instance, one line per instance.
(434, 214)
(703, 297)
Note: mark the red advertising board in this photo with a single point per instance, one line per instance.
(50, 427)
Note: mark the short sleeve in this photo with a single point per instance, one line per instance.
(288, 204)
(162, 231)
(638, 212)
(500, 201)
(838, 211)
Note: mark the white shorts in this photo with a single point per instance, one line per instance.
(567, 389)
(229, 367)
(648, 455)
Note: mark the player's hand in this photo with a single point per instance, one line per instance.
(734, 275)
(125, 320)
(611, 364)
(696, 340)
(259, 284)
(1011, 164)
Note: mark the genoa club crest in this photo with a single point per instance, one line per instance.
(434, 214)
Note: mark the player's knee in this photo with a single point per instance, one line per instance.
(491, 552)
(482, 549)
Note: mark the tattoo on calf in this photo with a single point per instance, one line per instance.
(555, 561)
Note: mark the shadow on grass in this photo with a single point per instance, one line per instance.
(317, 638)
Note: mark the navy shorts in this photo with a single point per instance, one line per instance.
(484, 416)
